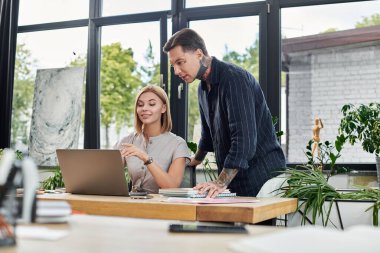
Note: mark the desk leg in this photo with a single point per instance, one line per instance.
(270, 222)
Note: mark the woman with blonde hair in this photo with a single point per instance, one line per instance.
(155, 157)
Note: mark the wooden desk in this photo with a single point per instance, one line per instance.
(155, 208)
(88, 233)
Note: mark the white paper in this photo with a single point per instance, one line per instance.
(363, 239)
(39, 233)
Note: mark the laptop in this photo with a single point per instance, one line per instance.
(93, 171)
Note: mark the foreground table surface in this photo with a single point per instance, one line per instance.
(88, 233)
(157, 208)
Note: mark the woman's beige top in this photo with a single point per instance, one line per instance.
(164, 149)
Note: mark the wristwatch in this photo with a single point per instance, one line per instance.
(149, 161)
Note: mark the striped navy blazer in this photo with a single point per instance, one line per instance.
(237, 126)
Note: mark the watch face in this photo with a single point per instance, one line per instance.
(149, 161)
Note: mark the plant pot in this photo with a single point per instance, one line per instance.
(344, 214)
(378, 169)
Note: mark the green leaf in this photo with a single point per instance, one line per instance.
(192, 146)
(361, 124)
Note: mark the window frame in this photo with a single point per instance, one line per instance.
(270, 56)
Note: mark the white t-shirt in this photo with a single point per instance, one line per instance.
(164, 149)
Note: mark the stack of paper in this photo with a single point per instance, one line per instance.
(190, 193)
(211, 201)
(40, 233)
(52, 211)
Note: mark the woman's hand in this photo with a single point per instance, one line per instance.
(129, 150)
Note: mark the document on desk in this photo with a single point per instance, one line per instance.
(363, 239)
(211, 201)
(191, 193)
(40, 233)
(52, 211)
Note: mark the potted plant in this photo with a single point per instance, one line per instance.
(319, 200)
(320, 203)
(54, 181)
(362, 124)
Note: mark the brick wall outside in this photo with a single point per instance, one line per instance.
(320, 83)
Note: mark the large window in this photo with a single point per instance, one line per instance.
(42, 11)
(200, 3)
(130, 60)
(122, 7)
(329, 58)
(41, 50)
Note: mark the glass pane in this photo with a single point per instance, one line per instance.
(137, 64)
(239, 47)
(200, 3)
(42, 11)
(329, 58)
(120, 7)
(42, 50)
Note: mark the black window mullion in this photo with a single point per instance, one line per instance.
(53, 26)
(129, 18)
(224, 11)
(263, 52)
(273, 65)
(163, 56)
(8, 39)
(178, 106)
(92, 107)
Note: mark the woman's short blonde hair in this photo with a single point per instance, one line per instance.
(166, 119)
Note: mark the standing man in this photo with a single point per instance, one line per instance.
(236, 122)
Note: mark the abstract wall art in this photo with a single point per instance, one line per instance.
(56, 115)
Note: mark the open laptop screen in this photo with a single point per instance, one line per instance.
(93, 171)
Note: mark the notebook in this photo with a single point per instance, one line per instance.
(93, 171)
(225, 200)
(191, 193)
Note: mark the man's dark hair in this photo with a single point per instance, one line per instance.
(188, 39)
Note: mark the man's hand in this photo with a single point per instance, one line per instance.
(194, 162)
(215, 187)
(198, 158)
(211, 188)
